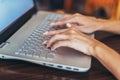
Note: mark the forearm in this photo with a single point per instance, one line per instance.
(109, 58)
(110, 26)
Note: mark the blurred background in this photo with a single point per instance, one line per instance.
(108, 9)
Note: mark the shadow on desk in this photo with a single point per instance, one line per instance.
(20, 70)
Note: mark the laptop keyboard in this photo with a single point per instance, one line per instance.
(33, 47)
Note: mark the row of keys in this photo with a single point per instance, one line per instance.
(33, 46)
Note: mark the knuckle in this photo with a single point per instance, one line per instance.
(77, 14)
(71, 30)
(71, 34)
(76, 18)
(56, 35)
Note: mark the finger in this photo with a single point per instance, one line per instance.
(59, 23)
(85, 29)
(64, 22)
(69, 25)
(65, 17)
(56, 38)
(51, 33)
(92, 17)
(64, 43)
(68, 19)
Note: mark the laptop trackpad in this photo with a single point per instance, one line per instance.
(67, 56)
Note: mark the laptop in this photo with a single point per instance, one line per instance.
(21, 37)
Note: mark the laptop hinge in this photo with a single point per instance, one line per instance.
(3, 44)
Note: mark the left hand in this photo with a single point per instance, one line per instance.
(83, 23)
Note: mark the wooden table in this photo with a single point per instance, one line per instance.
(20, 70)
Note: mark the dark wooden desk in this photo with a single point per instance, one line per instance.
(20, 70)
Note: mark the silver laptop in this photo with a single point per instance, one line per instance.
(21, 37)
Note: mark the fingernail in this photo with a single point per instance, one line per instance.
(45, 33)
(48, 46)
(68, 25)
(52, 49)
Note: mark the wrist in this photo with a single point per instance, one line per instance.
(93, 49)
(102, 24)
(96, 48)
(99, 50)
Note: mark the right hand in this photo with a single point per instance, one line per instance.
(83, 23)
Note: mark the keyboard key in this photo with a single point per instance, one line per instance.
(33, 46)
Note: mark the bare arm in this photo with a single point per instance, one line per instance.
(110, 26)
(109, 58)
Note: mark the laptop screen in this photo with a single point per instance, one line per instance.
(11, 10)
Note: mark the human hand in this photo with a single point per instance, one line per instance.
(83, 23)
(72, 38)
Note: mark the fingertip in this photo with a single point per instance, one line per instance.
(45, 33)
(53, 24)
(52, 49)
